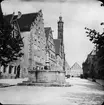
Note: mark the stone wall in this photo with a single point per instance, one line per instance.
(47, 76)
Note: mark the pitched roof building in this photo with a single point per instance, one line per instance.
(31, 27)
(76, 70)
(50, 48)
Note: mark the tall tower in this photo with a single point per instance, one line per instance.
(60, 29)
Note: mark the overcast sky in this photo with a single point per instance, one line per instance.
(77, 14)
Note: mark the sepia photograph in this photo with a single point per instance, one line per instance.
(52, 52)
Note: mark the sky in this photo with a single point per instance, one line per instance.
(76, 14)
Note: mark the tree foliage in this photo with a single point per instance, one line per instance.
(10, 46)
(96, 38)
(102, 2)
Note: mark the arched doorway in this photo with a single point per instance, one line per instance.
(18, 71)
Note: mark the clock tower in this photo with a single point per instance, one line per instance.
(60, 29)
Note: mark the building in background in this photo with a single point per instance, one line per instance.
(39, 49)
(59, 49)
(59, 61)
(76, 70)
(50, 49)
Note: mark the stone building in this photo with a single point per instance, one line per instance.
(31, 27)
(37, 53)
(50, 48)
(13, 69)
(59, 61)
(59, 50)
(55, 53)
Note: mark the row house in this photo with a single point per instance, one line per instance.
(37, 40)
(59, 61)
(39, 49)
(50, 49)
(54, 70)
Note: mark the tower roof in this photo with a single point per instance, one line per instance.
(60, 19)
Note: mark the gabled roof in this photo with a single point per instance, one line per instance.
(76, 66)
(25, 21)
(57, 43)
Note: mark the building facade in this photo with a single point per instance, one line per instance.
(59, 61)
(50, 49)
(39, 49)
(37, 39)
(31, 28)
(13, 69)
(76, 70)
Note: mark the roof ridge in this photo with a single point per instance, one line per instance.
(75, 64)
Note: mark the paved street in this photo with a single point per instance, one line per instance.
(82, 92)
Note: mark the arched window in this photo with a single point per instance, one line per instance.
(10, 69)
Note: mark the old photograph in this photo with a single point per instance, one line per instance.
(52, 52)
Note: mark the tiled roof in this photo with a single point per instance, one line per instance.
(57, 43)
(76, 66)
(25, 21)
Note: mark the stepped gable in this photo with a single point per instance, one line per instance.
(25, 21)
(76, 66)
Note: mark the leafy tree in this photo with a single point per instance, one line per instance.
(10, 46)
(97, 39)
(102, 4)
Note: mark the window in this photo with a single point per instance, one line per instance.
(15, 70)
(10, 69)
(5, 68)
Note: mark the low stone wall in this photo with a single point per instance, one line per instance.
(7, 76)
(32, 76)
(47, 76)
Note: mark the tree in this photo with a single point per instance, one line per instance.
(10, 46)
(102, 4)
(97, 39)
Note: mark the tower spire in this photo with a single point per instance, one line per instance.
(60, 29)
